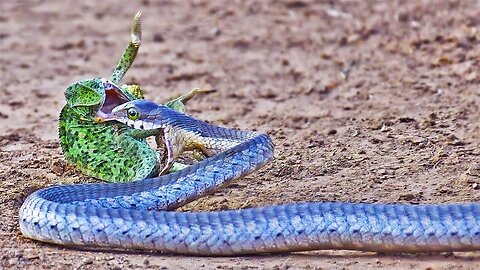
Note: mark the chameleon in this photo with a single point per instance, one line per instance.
(137, 214)
(106, 151)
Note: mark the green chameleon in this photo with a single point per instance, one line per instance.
(111, 152)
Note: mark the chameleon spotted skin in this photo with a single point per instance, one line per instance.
(110, 151)
(101, 150)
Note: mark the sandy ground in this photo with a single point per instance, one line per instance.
(366, 102)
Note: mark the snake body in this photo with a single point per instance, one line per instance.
(135, 215)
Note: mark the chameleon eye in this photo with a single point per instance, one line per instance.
(132, 114)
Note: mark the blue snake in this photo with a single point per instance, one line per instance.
(136, 215)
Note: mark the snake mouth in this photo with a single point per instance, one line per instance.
(113, 98)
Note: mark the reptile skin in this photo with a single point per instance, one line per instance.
(134, 215)
(110, 152)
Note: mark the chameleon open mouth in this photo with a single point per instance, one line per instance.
(113, 97)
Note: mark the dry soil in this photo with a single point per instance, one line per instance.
(366, 101)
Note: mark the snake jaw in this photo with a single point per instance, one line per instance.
(117, 113)
(101, 117)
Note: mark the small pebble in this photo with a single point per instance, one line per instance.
(87, 261)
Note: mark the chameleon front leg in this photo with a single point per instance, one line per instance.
(179, 103)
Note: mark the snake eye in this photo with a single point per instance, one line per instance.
(132, 114)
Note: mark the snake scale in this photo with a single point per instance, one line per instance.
(122, 215)
(136, 215)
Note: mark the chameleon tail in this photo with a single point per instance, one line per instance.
(130, 52)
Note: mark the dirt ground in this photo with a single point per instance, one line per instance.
(368, 101)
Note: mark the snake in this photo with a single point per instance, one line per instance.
(102, 130)
(137, 215)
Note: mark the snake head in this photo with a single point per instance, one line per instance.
(139, 114)
(95, 96)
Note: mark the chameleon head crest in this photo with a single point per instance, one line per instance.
(90, 96)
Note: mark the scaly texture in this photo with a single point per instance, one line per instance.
(97, 149)
(126, 215)
(131, 215)
(104, 150)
